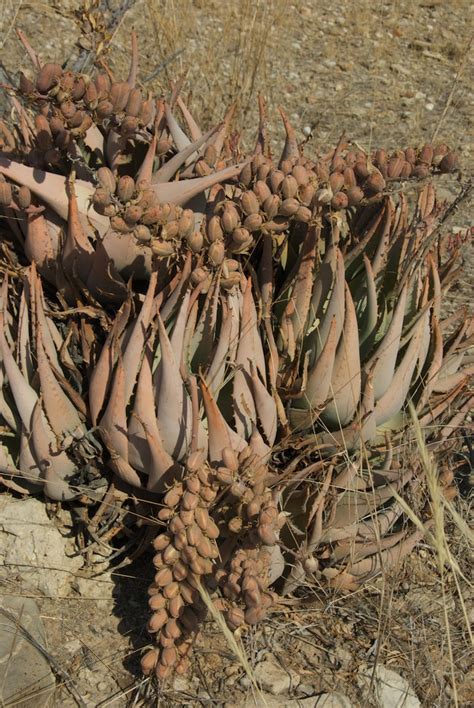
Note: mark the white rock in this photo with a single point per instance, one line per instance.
(332, 700)
(274, 678)
(32, 547)
(390, 689)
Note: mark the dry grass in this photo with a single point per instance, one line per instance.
(332, 70)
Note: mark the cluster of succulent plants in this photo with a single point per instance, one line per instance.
(224, 343)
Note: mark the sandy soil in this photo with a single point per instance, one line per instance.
(389, 74)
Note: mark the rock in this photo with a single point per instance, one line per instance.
(333, 700)
(32, 547)
(390, 689)
(26, 678)
(274, 678)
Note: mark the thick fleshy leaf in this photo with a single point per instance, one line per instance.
(382, 362)
(51, 189)
(346, 374)
(173, 402)
(101, 375)
(395, 395)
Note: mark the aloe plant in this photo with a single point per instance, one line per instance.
(231, 340)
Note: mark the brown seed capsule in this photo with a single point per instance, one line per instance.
(361, 169)
(118, 95)
(394, 167)
(180, 571)
(214, 230)
(268, 515)
(162, 249)
(229, 218)
(193, 485)
(274, 180)
(129, 126)
(271, 205)
(157, 620)
(189, 553)
(253, 222)
(339, 201)
(286, 166)
(24, 197)
(354, 195)
(195, 241)
(306, 194)
(235, 618)
(193, 534)
(103, 84)
(208, 494)
(5, 193)
(104, 110)
(267, 535)
(125, 188)
(245, 176)
(212, 530)
(336, 181)
(161, 542)
(303, 214)
(176, 606)
(134, 102)
(91, 98)
(225, 475)
(106, 179)
(142, 233)
(170, 555)
(254, 615)
(374, 184)
(349, 178)
(253, 598)
(169, 656)
(216, 253)
(147, 112)
(165, 641)
(449, 163)
(120, 225)
(289, 187)
(263, 171)
(176, 525)
(235, 524)
(26, 86)
(171, 590)
(201, 168)
(186, 516)
(241, 236)
(163, 577)
(157, 602)
(152, 215)
(407, 169)
(186, 223)
(202, 518)
(48, 75)
(162, 672)
(101, 198)
(149, 661)
(380, 158)
(261, 191)
(421, 171)
(199, 275)
(300, 174)
(426, 155)
(249, 203)
(188, 593)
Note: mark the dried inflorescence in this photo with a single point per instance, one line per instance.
(232, 341)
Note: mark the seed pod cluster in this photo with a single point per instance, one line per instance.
(185, 556)
(411, 162)
(78, 101)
